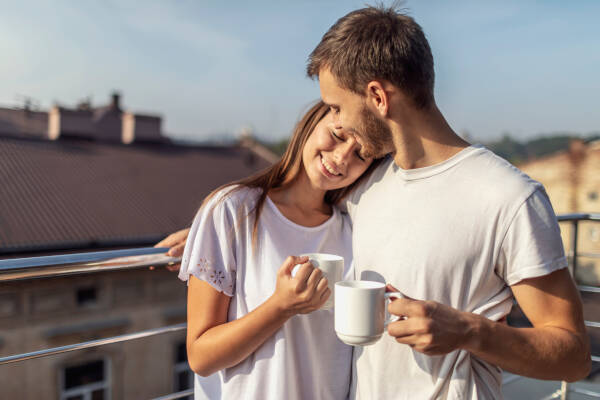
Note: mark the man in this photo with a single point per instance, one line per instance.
(456, 229)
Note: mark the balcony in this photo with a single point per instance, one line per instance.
(99, 352)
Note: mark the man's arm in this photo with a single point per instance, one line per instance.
(556, 347)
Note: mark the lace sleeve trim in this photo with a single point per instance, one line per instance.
(218, 279)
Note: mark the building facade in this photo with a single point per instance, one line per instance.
(572, 181)
(92, 179)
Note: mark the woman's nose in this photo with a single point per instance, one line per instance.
(343, 152)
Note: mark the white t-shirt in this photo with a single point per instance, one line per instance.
(459, 233)
(302, 360)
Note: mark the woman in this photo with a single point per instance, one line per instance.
(249, 319)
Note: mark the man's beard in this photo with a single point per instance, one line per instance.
(376, 135)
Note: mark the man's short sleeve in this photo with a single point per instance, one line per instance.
(532, 246)
(209, 251)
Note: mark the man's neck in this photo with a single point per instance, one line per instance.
(423, 139)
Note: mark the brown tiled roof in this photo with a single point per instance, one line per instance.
(73, 194)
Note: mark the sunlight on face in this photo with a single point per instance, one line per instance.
(350, 113)
(332, 157)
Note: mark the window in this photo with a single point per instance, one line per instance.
(87, 381)
(87, 296)
(594, 234)
(184, 377)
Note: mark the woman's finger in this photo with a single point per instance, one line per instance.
(323, 288)
(303, 274)
(289, 263)
(177, 250)
(316, 276)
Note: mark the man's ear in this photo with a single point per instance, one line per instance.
(378, 98)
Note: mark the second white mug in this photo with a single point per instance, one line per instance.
(360, 311)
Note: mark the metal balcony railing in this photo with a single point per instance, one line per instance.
(87, 263)
(117, 260)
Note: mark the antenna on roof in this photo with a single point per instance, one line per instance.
(27, 103)
(85, 103)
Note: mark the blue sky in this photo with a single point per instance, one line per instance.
(212, 68)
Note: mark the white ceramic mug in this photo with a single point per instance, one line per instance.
(332, 267)
(360, 311)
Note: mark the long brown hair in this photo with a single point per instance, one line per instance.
(287, 168)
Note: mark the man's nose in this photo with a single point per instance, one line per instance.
(337, 121)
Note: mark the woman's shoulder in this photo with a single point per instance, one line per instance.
(235, 197)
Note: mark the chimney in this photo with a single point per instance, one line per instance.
(54, 123)
(116, 100)
(577, 150)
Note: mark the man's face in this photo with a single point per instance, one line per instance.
(350, 112)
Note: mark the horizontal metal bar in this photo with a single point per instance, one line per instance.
(592, 324)
(578, 217)
(588, 289)
(588, 255)
(177, 395)
(595, 359)
(92, 343)
(585, 392)
(79, 258)
(511, 379)
(68, 264)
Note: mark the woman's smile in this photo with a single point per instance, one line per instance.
(329, 169)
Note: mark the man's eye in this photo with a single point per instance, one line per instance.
(336, 136)
(359, 156)
(334, 110)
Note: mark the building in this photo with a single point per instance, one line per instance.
(572, 180)
(109, 123)
(90, 179)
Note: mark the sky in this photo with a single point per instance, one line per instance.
(213, 68)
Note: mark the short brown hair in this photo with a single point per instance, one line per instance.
(377, 43)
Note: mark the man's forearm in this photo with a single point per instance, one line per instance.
(546, 352)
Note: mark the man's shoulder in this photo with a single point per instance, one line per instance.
(378, 175)
(498, 176)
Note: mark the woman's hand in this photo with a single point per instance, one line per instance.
(176, 243)
(214, 344)
(302, 293)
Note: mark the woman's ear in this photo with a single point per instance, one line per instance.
(378, 98)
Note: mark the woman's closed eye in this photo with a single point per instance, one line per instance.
(337, 137)
(341, 139)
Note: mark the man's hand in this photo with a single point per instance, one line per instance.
(176, 243)
(430, 327)
(556, 348)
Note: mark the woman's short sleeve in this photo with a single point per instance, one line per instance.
(209, 252)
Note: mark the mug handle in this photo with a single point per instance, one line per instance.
(388, 317)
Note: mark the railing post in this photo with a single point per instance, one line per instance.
(575, 226)
(564, 390)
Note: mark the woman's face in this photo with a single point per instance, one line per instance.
(332, 158)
